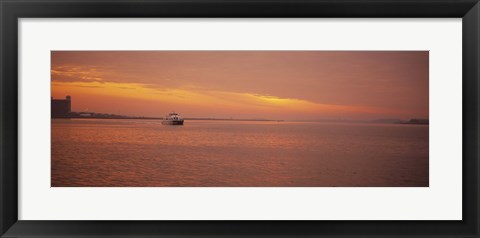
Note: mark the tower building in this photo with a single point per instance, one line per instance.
(61, 108)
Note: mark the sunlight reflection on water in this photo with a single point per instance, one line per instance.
(97, 153)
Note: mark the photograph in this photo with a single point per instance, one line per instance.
(244, 118)
(276, 119)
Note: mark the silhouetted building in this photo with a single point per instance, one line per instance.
(61, 107)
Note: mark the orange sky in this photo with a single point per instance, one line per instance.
(304, 85)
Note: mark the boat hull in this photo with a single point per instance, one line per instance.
(173, 123)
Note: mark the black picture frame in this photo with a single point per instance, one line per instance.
(11, 11)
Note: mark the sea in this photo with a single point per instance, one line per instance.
(214, 153)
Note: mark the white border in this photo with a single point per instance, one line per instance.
(441, 201)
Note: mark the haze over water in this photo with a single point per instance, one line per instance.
(109, 152)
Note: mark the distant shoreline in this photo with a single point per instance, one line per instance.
(410, 122)
(161, 118)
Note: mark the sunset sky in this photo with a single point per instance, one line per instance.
(302, 85)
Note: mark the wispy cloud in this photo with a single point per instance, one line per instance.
(317, 83)
(71, 73)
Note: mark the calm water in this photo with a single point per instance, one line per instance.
(144, 153)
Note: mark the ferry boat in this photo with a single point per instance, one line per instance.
(172, 119)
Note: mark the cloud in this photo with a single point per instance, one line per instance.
(300, 81)
(71, 73)
(89, 86)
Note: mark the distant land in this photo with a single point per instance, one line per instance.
(94, 115)
(61, 108)
(417, 121)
